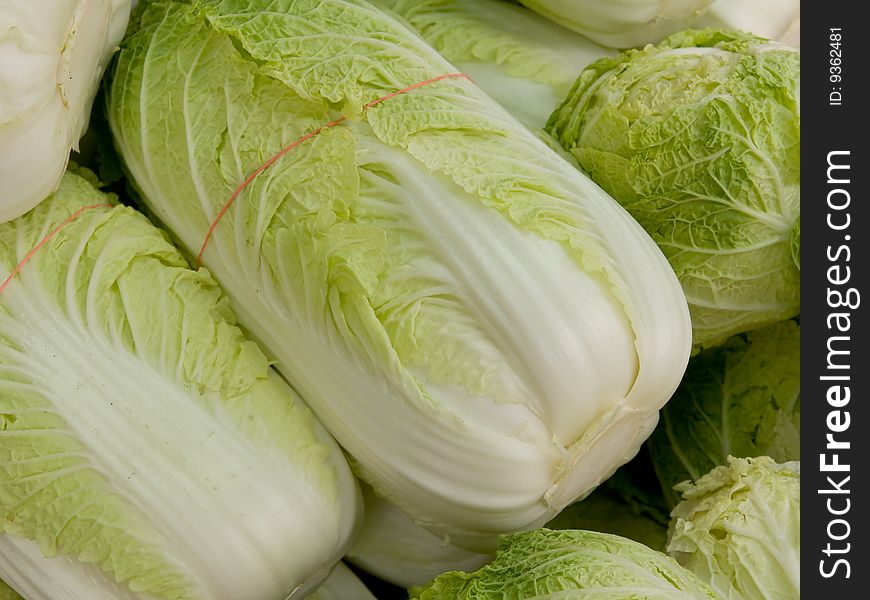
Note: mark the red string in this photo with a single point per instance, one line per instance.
(45, 240)
(301, 140)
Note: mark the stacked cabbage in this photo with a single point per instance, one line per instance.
(486, 331)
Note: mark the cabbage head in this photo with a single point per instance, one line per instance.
(699, 138)
(51, 59)
(481, 327)
(147, 449)
(738, 529)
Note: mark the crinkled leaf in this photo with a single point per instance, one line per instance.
(738, 529)
(548, 565)
(699, 138)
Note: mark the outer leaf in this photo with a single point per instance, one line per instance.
(699, 139)
(480, 326)
(550, 565)
(738, 528)
(51, 61)
(741, 399)
(146, 447)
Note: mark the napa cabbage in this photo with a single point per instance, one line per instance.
(738, 528)
(484, 330)
(51, 63)
(699, 138)
(551, 565)
(606, 511)
(147, 449)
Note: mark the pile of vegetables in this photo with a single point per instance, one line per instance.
(429, 299)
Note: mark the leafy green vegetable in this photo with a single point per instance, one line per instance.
(147, 450)
(546, 565)
(699, 138)
(622, 23)
(484, 330)
(51, 59)
(738, 528)
(740, 399)
(525, 62)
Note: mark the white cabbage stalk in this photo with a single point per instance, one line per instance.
(770, 19)
(482, 328)
(51, 61)
(147, 449)
(393, 547)
(622, 23)
(524, 61)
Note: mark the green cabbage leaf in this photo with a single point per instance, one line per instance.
(550, 565)
(738, 529)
